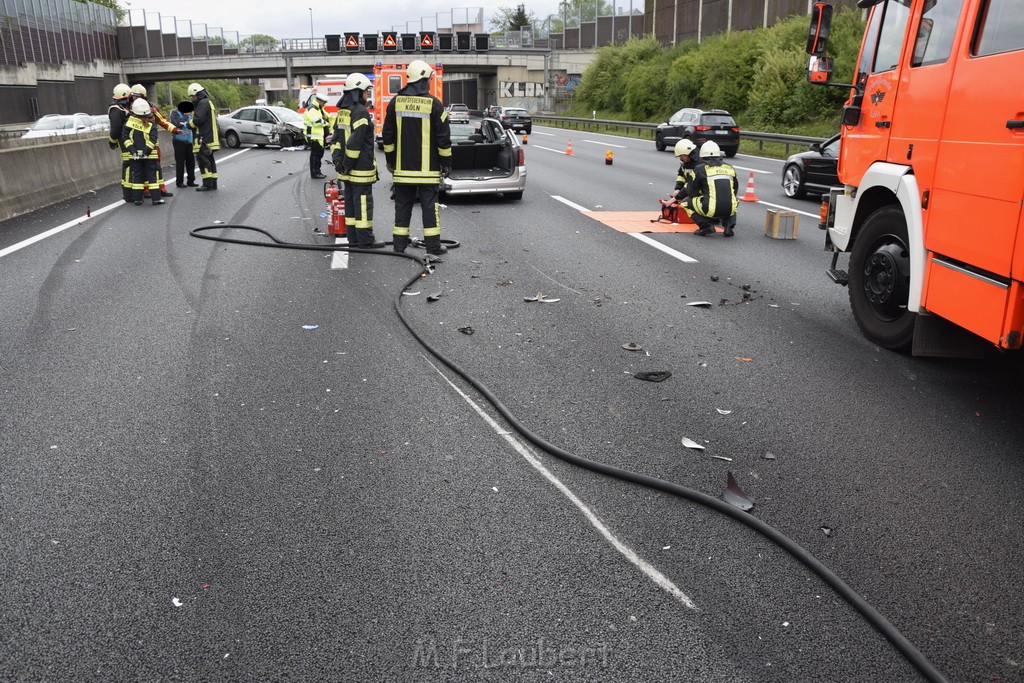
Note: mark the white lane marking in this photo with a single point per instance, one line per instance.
(786, 208)
(556, 151)
(339, 259)
(78, 221)
(659, 579)
(755, 170)
(550, 135)
(232, 156)
(60, 228)
(661, 247)
(605, 144)
(571, 204)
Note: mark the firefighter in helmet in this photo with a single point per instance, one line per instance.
(206, 140)
(139, 92)
(418, 151)
(118, 113)
(354, 158)
(687, 162)
(712, 192)
(317, 122)
(139, 142)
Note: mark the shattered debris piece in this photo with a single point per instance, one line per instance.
(410, 293)
(722, 457)
(466, 330)
(702, 304)
(768, 455)
(502, 283)
(541, 298)
(735, 496)
(745, 360)
(714, 278)
(310, 327)
(434, 297)
(723, 412)
(827, 530)
(632, 346)
(690, 443)
(656, 376)
(176, 602)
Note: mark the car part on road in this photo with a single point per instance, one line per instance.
(866, 610)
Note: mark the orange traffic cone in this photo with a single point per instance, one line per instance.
(568, 149)
(749, 196)
(608, 158)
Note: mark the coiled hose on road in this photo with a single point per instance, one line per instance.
(870, 614)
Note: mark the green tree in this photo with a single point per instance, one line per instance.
(259, 42)
(509, 19)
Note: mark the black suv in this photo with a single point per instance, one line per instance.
(699, 126)
(515, 118)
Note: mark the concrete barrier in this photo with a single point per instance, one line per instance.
(38, 175)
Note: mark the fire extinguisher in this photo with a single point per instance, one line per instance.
(335, 207)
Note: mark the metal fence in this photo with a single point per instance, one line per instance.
(646, 130)
(56, 31)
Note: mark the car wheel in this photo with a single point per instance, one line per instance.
(731, 151)
(286, 140)
(793, 182)
(659, 143)
(231, 139)
(514, 195)
(529, 130)
(880, 280)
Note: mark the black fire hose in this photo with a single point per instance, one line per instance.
(870, 614)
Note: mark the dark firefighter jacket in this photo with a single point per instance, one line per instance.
(685, 176)
(118, 114)
(714, 188)
(139, 135)
(352, 149)
(204, 124)
(417, 136)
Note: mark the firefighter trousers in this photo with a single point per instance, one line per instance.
(405, 197)
(145, 173)
(359, 213)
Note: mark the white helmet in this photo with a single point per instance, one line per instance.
(121, 91)
(140, 107)
(357, 82)
(418, 70)
(194, 89)
(139, 89)
(321, 97)
(711, 150)
(684, 146)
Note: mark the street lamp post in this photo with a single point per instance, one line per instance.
(310, 28)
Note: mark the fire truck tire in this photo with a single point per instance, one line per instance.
(880, 280)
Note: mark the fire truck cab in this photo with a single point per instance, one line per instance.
(388, 79)
(932, 166)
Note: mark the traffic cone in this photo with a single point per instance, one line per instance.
(749, 196)
(608, 158)
(568, 149)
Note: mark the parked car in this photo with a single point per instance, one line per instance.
(53, 125)
(514, 118)
(699, 126)
(814, 171)
(486, 160)
(262, 126)
(492, 112)
(458, 113)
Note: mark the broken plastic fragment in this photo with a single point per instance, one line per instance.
(656, 376)
(690, 443)
(434, 297)
(310, 327)
(176, 602)
(723, 412)
(735, 496)
(540, 297)
(714, 278)
(827, 531)
(722, 457)
(218, 222)
(410, 293)
(745, 360)
(768, 455)
(632, 346)
(466, 330)
(702, 304)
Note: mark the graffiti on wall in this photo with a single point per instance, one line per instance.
(509, 89)
(568, 82)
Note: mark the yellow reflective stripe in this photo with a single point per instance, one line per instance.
(444, 151)
(352, 153)
(431, 232)
(444, 115)
(425, 144)
(362, 222)
(401, 232)
(389, 148)
(360, 122)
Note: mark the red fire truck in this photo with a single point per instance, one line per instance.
(932, 166)
(388, 79)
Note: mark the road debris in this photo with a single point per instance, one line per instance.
(735, 496)
(690, 443)
(466, 330)
(702, 304)
(655, 376)
(541, 298)
(632, 346)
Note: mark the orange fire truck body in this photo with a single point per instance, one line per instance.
(388, 80)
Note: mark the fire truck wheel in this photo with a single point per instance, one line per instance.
(880, 280)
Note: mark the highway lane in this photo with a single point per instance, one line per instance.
(199, 456)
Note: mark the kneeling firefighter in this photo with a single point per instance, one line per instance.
(712, 192)
(353, 156)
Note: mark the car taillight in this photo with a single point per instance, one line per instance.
(522, 157)
(735, 129)
(702, 127)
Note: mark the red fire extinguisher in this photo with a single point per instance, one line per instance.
(336, 209)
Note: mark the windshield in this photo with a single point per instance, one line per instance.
(286, 115)
(461, 131)
(54, 123)
(459, 107)
(515, 112)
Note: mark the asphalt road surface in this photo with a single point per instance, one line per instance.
(223, 462)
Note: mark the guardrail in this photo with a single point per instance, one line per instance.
(646, 130)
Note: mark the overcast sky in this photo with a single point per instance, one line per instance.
(283, 19)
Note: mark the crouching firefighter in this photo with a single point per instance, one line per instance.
(353, 156)
(418, 151)
(712, 192)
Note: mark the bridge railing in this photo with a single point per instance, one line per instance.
(646, 130)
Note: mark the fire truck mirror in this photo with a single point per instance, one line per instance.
(821, 23)
(819, 69)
